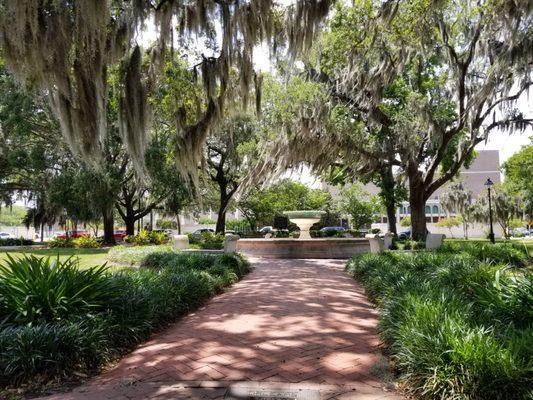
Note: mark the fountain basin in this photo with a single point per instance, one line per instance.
(304, 220)
(340, 248)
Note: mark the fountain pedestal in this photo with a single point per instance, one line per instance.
(304, 220)
(305, 225)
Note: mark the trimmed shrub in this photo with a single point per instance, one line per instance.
(207, 241)
(86, 242)
(128, 255)
(499, 253)
(58, 242)
(145, 237)
(16, 242)
(457, 326)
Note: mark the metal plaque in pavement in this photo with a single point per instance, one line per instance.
(243, 393)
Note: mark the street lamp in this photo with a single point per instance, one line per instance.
(488, 184)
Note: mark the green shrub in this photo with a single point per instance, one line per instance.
(158, 238)
(86, 242)
(60, 243)
(206, 262)
(414, 245)
(127, 255)
(137, 302)
(33, 288)
(52, 348)
(142, 238)
(167, 224)
(145, 237)
(211, 241)
(16, 242)
(457, 325)
(206, 221)
(499, 253)
(238, 225)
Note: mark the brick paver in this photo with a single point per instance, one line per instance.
(302, 323)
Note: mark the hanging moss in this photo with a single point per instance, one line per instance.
(66, 49)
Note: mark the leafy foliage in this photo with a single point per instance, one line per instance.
(128, 255)
(456, 326)
(359, 205)
(34, 289)
(16, 242)
(207, 240)
(145, 237)
(58, 242)
(260, 207)
(86, 242)
(81, 319)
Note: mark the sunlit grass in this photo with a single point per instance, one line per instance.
(86, 257)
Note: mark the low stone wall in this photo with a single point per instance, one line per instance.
(303, 248)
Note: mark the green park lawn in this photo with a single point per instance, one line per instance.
(87, 257)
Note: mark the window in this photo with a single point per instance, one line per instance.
(428, 219)
(436, 219)
(384, 220)
(435, 210)
(428, 210)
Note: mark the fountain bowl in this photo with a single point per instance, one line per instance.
(304, 220)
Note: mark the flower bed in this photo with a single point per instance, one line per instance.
(59, 320)
(458, 324)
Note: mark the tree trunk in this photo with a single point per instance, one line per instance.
(178, 223)
(109, 231)
(129, 221)
(221, 218)
(417, 201)
(418, 217)
(391, 218)
(388, 195)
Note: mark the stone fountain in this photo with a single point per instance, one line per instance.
(304, 220)
(304, 246)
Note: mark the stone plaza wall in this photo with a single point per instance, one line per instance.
(339, 248)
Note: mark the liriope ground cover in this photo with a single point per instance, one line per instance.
(458, 323)
(58, 319)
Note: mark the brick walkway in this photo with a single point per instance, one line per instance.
(302, 327)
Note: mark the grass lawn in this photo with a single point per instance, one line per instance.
(87, 257)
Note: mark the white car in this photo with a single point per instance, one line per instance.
(5, 235)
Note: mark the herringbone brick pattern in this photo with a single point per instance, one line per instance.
(289, 321)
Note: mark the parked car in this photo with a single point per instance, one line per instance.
(519, 232)
(333, 229)
(5, 235)
(266, 229)
(404, 235)
(120, 234)
(197, 234)
(72, 234)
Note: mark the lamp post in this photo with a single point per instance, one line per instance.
(488, 184)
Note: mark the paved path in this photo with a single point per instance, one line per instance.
(302, 327)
